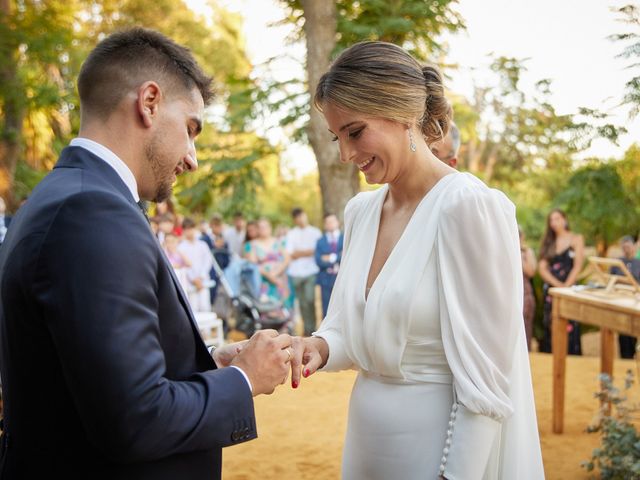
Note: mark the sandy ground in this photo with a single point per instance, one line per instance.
(301, 431)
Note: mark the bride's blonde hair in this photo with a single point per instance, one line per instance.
(383, 80)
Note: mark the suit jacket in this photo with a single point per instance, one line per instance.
(323, 247)
(103, 370)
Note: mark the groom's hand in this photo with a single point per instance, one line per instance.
(224, 355)
(265, 360)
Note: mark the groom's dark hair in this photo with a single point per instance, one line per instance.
(126, 59)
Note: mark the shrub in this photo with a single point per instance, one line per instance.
(618, 457)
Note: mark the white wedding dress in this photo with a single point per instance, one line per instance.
(444, 385)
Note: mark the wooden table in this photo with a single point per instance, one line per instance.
(620, 313)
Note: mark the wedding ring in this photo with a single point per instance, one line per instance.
(288, 355)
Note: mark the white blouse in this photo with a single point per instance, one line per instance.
(458, 262)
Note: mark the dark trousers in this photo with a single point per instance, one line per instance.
(326, 290)
(574, 346)
(627, 346)
(305, 288)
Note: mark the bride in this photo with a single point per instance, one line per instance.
(428, 302)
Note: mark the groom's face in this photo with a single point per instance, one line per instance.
(171, 149)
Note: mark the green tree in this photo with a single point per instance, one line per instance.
(36, 41)
(597, 204)
(630, 16)
(328, 27)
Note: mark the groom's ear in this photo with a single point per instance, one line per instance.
(149, 97)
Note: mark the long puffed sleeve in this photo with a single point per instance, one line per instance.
(331, 328)
(481, 317)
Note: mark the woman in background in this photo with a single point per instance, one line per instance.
(561, 257)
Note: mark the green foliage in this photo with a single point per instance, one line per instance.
(415, 25)
(629, 170)
(618, 458)
(597, 203)
(228, 178)
(26, 180)
(630, 15)
(52, 38)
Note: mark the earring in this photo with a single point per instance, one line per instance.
(412, 143)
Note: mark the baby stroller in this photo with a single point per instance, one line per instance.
(249, 311)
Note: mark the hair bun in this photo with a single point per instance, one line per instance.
(437, 112)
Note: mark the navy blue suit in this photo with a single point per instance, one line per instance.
(325, 278)
(104, 372)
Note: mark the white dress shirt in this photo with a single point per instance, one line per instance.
(121, 168)
(303, 239)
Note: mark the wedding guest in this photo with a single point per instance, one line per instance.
(272, 258)
(628, 343)
(177, 259)
(561, 258)
(166, 223)
(5, 220)
(250, 235)
(301, 245)
(235, 235)
(200, 257)
(447, 148)
(328, 255)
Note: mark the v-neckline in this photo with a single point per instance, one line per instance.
(368, 290)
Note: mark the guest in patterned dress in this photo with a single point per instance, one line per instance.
(270, 254)
(561, 257)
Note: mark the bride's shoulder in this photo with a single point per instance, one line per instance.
(362, 201)
(468, 191)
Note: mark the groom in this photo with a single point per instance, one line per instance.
(103, 369)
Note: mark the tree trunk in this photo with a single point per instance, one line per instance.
(13, 112)
(338, 182)
(492, 159)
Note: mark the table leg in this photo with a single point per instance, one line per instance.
(606, 354)
(559, 349)
(606, 350)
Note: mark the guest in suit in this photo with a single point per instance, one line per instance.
(105, 374)
(328, 256)
(4, 220)
(628, 245)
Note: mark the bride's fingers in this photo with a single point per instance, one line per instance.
(313, 363)
(297, 353)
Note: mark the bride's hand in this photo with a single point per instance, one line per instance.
(309, 354)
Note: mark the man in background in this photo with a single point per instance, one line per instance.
(628, 245)
(235, 235)
(4, 220)
(301, 245)
(328, 256)
(447, 149)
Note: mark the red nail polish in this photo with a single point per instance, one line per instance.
(306, 373)
(294, 384)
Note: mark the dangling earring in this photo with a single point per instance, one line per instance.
(412, 143)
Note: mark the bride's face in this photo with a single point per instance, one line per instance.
(377, 146)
